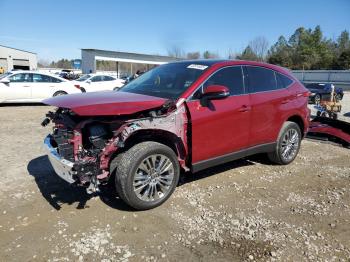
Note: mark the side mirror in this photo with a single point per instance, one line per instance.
(88, 81)
(215, 92)
(5, 81)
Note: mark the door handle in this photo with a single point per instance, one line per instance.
(25, 86)
(244, 108)
(285, 101)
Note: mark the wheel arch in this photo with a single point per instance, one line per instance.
(299, 121)
(164, 137)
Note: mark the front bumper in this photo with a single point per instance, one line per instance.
(62, 167)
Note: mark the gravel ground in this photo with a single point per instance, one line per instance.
(244, 210)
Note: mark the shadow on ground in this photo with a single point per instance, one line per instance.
(58, 192)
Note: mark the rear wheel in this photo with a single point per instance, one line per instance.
(146, 175)
(288, 144)
(59, 93)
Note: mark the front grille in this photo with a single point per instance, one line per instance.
(64, 148)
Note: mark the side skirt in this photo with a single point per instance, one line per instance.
(265, 148)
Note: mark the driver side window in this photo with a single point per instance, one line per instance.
(231, 77)
(96, 79)
(20, 78)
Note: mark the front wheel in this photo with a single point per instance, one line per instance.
(146, 175)
(288, 144)
(59, 93)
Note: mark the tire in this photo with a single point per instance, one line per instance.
(338, 97)
(286, 139)
(139, 183)
(59, 93)
(317, 99)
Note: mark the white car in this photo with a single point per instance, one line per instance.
(98, 82)
(31, 86)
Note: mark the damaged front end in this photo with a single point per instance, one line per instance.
(81, 148)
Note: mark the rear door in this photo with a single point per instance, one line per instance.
(96, 84)
(221, 127)
(43, 86)
(18, 88)
(269, 102)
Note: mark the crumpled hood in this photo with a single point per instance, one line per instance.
(106, 103)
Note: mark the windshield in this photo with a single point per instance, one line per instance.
(83, 78)
(166, 81)
(5, 75)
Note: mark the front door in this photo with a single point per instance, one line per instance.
(221, 127)
(19, 87)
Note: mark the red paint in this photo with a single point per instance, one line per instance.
(106, 103)
(325, 129)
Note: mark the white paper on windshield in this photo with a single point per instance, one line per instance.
(199, 67)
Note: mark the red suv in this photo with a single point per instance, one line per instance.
(187, 115)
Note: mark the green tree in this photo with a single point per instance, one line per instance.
(248, 54)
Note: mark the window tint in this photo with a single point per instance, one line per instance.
(108, 78)
(231, 77)
(38, 78)
(282, 80)
(55, 80)
(24, 77)
(97, 79)
(260, 79)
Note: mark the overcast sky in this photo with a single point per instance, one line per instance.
(58, 29)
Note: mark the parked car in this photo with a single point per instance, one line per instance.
(187, 115)
(322, 91)
(98, 82)
(31, 86)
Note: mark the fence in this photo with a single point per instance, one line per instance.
(340, 78)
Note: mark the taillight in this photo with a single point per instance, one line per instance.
(77, 86)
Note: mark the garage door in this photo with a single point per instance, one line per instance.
(21, 64)
(3, 63)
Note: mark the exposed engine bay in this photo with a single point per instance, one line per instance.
(90, 143)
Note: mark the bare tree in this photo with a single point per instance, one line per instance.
(210, 55)
(176, 51)
(259, 46)
(193, 55)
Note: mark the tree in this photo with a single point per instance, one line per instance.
(193, 55)
(176, 51)
(259, 46)
(248, 54)
(343, 42)
(280, 53)
(210, 55)
(343, 62)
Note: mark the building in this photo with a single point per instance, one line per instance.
(121, 59)
(12, 58)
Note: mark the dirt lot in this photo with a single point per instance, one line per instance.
(245, 210)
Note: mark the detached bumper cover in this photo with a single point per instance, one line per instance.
(62, 167)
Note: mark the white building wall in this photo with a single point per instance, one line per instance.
(7, 55)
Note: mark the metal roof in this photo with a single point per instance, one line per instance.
(130, 56)
(18, 49)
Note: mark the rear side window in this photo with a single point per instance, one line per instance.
(97, 79)
(108, 78)
(260, 79)
(231, 77)
(55, 80)
(282, 81)
(38, 78)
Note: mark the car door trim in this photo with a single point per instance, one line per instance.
(264, 148)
